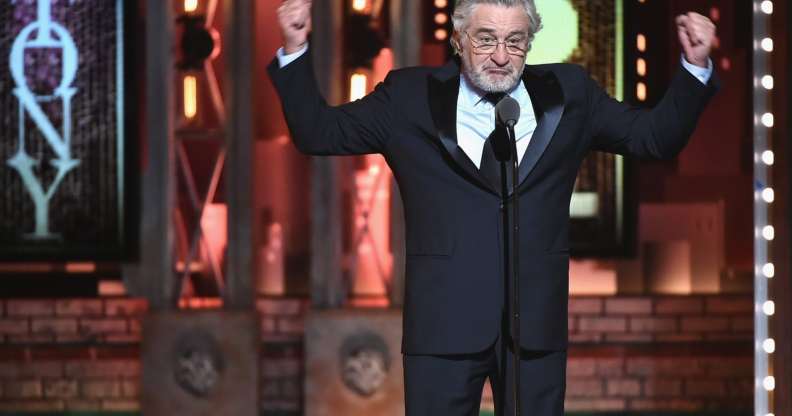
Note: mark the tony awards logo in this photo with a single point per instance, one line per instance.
(41, 34)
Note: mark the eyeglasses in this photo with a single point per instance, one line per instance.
(485, 44)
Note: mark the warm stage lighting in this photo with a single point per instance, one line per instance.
(768, 308)
(640, 67)
(769, 383)
(769, 345)
(767, 44)
(190, 5)
(641, 43)
(441, 18)
(767, 7)
(359, 5)
(190, 96)
(640, 91)
(440, 4)
(768, 270)
(768, 119)
(441, 34)
(357, 86)
(768, 157)
(768, 195)
(768, 82)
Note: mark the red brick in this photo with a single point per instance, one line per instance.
(585, 306)
(291, 325)
(591, 337)
(629, 306)
(705, 388)
(279, 307)
(79, 307)
(125, 307)
(135, 326)
(100, 389)
(730, 305)
(268, 324)
(659, 387)
(104, 368)
(102, 326)
(628, 338)
(623, 387)
(577, 367)
(671, 366)
(742, 324)
(587, 405)
(60, 389)
(679, 305)
(23, 389)
(43, 338)
(40, 369)
(130, 388)
(82, 405)
(653, 325)
(30, 308)
(729, 336)
(120, 405)
(705, 324)
(54, 326)
(31, 406)
(603, 324)
(610, 367)
(122, 338)
(689, 337)
(14, 326)
(666, 404)
(584, 387)
(727, 367)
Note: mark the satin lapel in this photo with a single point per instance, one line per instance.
(548, 103)
(443, 94)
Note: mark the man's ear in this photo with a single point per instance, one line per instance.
(455, 43)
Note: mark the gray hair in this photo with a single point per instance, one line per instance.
(464, 8)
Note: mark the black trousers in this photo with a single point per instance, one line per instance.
(451, 385)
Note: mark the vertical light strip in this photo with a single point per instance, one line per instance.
(190, 96)
(120, 118)
(618, 160)
(763, 381)
(357, 86)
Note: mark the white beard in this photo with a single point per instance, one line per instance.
(492, 83)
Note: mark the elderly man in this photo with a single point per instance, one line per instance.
(432, 125)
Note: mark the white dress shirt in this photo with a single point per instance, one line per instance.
(476, 116)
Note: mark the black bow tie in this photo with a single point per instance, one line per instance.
(494, 97)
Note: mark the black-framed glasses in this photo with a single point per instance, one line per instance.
(485, 44)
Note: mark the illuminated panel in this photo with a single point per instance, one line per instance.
(62, 130)
(558, 38)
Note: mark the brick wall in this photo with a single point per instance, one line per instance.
(626, 353)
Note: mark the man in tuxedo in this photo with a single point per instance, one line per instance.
(432, 126)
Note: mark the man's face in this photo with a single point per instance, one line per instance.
(498, 70)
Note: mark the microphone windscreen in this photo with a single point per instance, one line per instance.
(508, 111)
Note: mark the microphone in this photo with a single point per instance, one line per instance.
(507, 112)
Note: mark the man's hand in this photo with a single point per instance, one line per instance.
(294, 17)
(696, 34)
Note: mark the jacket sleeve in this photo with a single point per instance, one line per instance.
(658, 133)
(360, 127)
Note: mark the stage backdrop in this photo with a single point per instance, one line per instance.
(64, 188)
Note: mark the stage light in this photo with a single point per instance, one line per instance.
(768, 270)
(640, 91)
(769, 383)
(641, 42)
(768, 308)
(441, 4)
(768, 119)
(767, 7)
(359, 5)
(640, 67)
(441, 34)
(190, 96)
(190, 6)
(768, 157)
(769, 345)
(767, 44)
(768, 232)
(441, 18)
(768, 82)
(357, 86)
(768, 195)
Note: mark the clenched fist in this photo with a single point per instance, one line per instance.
(294, 17)
(696, 34)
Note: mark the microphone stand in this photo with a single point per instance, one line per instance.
(512, 255)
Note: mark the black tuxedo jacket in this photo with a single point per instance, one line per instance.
(454, 294)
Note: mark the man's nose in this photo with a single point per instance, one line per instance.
(500, 56)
